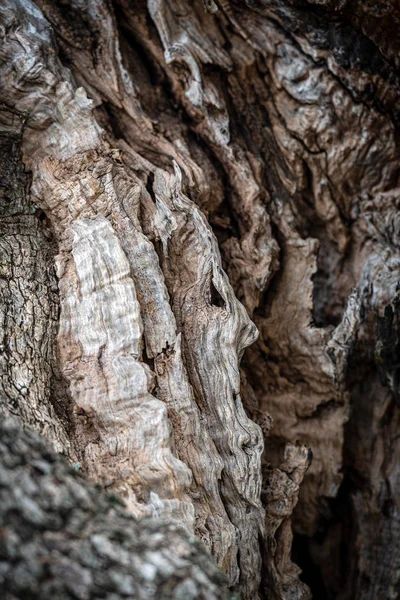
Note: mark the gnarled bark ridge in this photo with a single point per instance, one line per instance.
(177, 176)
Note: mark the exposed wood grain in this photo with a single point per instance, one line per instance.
(199, 166)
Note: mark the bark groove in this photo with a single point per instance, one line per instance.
(197, 172)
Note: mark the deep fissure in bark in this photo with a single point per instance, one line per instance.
(248, 151)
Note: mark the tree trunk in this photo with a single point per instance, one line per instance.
(182, 181)
(66, 539)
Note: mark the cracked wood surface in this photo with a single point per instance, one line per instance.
(232, 151)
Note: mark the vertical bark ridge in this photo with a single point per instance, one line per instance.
(126, 437)
(277, 119)
(115, 306)
(208, 331)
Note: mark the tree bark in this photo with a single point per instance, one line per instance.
(63, 538)
(180, 182)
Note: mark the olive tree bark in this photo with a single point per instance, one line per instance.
(182, 181)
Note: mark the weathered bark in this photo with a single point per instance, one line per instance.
(190, 168)
(63, 538)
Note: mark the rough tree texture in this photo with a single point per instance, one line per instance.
(29, 307)
(62, 538)
(193, 168)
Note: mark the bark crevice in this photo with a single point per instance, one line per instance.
(193, 167)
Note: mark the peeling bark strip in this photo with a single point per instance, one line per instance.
(184, 158)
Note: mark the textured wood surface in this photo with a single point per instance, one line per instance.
(197, 172)
(63, 538)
